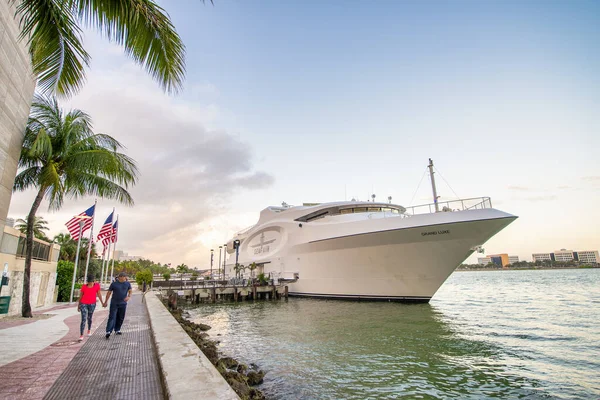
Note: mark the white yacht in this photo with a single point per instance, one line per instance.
(366, 250)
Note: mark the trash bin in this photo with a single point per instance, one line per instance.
(4, 303)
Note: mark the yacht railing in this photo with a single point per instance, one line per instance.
(475, 203)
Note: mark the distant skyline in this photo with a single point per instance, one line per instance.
(321, 101)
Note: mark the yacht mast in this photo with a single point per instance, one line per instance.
(435, 196)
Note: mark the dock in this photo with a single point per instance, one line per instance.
(223, 291)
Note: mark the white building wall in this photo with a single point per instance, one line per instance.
(541, 257)
(588, 256)
(513, 259)
(16, 92)
(484, 260)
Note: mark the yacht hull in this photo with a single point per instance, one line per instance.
(397, 265)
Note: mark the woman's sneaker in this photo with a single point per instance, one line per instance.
(81, 338)
(89, 333)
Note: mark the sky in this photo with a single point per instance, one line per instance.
(316, 101)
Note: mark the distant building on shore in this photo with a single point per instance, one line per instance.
(564, 255)
(122, 256)
(502, 260)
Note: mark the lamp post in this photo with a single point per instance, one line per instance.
(219, 265)
(212, 256)
(236, 246)
(224, 258)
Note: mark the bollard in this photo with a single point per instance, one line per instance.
(285, 292)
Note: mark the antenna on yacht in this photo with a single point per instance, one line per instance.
(390, 199)
(435, 196)
(373, 196)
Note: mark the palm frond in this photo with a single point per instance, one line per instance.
(84, 184)
(145, 31)
(26, 179)
(112, 165)
(55, 47)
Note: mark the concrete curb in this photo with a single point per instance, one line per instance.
(187, 373)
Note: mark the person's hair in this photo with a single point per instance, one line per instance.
(90, 278)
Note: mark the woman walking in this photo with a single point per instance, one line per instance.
(87, 304)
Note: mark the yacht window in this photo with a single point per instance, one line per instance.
(346, 211)
(374, 209)
(360, 209)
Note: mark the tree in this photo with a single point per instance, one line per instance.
(141, 27)
(62, 157)
(167, 276)
(68, 247)
(64, 275)
(39, 226)
(181, 269)
(144, 276)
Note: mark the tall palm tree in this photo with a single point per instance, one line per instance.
(141, 27)
(62, 156)
(39, 226)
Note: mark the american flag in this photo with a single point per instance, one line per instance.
(86, 217)
(115, 230)
(112, 236)
(106, 228)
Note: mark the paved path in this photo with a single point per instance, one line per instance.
(20, 341)
(122, 367)
(31, 376)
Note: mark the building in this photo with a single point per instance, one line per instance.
(43, 270)
(564, 255)
(483, 260)
(502, 260)
(17, 84)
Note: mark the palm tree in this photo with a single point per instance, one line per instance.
(141, 27)
(39, 226)
(62, 156)
(68, 247)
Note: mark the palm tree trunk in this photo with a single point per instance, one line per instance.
(26, 308)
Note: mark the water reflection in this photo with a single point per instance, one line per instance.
(320, 349)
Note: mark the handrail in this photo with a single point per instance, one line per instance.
(474, 203)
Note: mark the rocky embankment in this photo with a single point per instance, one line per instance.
(241, 377)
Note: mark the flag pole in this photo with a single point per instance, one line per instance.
(102, 269)
(107, 262)
(112, 270)
(81, 222)
(90, 243)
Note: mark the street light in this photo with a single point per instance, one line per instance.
(212, 256)
(236, 246)
(219, 265)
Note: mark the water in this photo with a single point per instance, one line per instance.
(508, 334)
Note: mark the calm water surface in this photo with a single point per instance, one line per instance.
(509, 334)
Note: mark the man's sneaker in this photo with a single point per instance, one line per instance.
(107, 335)
(89, 333)
(118, 332)
(81, 338)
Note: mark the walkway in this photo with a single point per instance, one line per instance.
(122, 367)
(26, 372)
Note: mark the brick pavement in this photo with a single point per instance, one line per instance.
(31, 376)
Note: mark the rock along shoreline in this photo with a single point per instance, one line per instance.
(239, 376)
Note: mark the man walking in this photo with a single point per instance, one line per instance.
(120, 290)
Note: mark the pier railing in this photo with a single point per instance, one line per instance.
(475, 203)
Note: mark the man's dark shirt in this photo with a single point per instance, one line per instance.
(119, 292)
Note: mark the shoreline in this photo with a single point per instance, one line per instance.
(521, 269)
(242, 378)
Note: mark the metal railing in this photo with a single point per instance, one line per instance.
(475, 203)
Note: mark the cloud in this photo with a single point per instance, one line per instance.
(187, 171)
(520, 188)
(541, 198)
